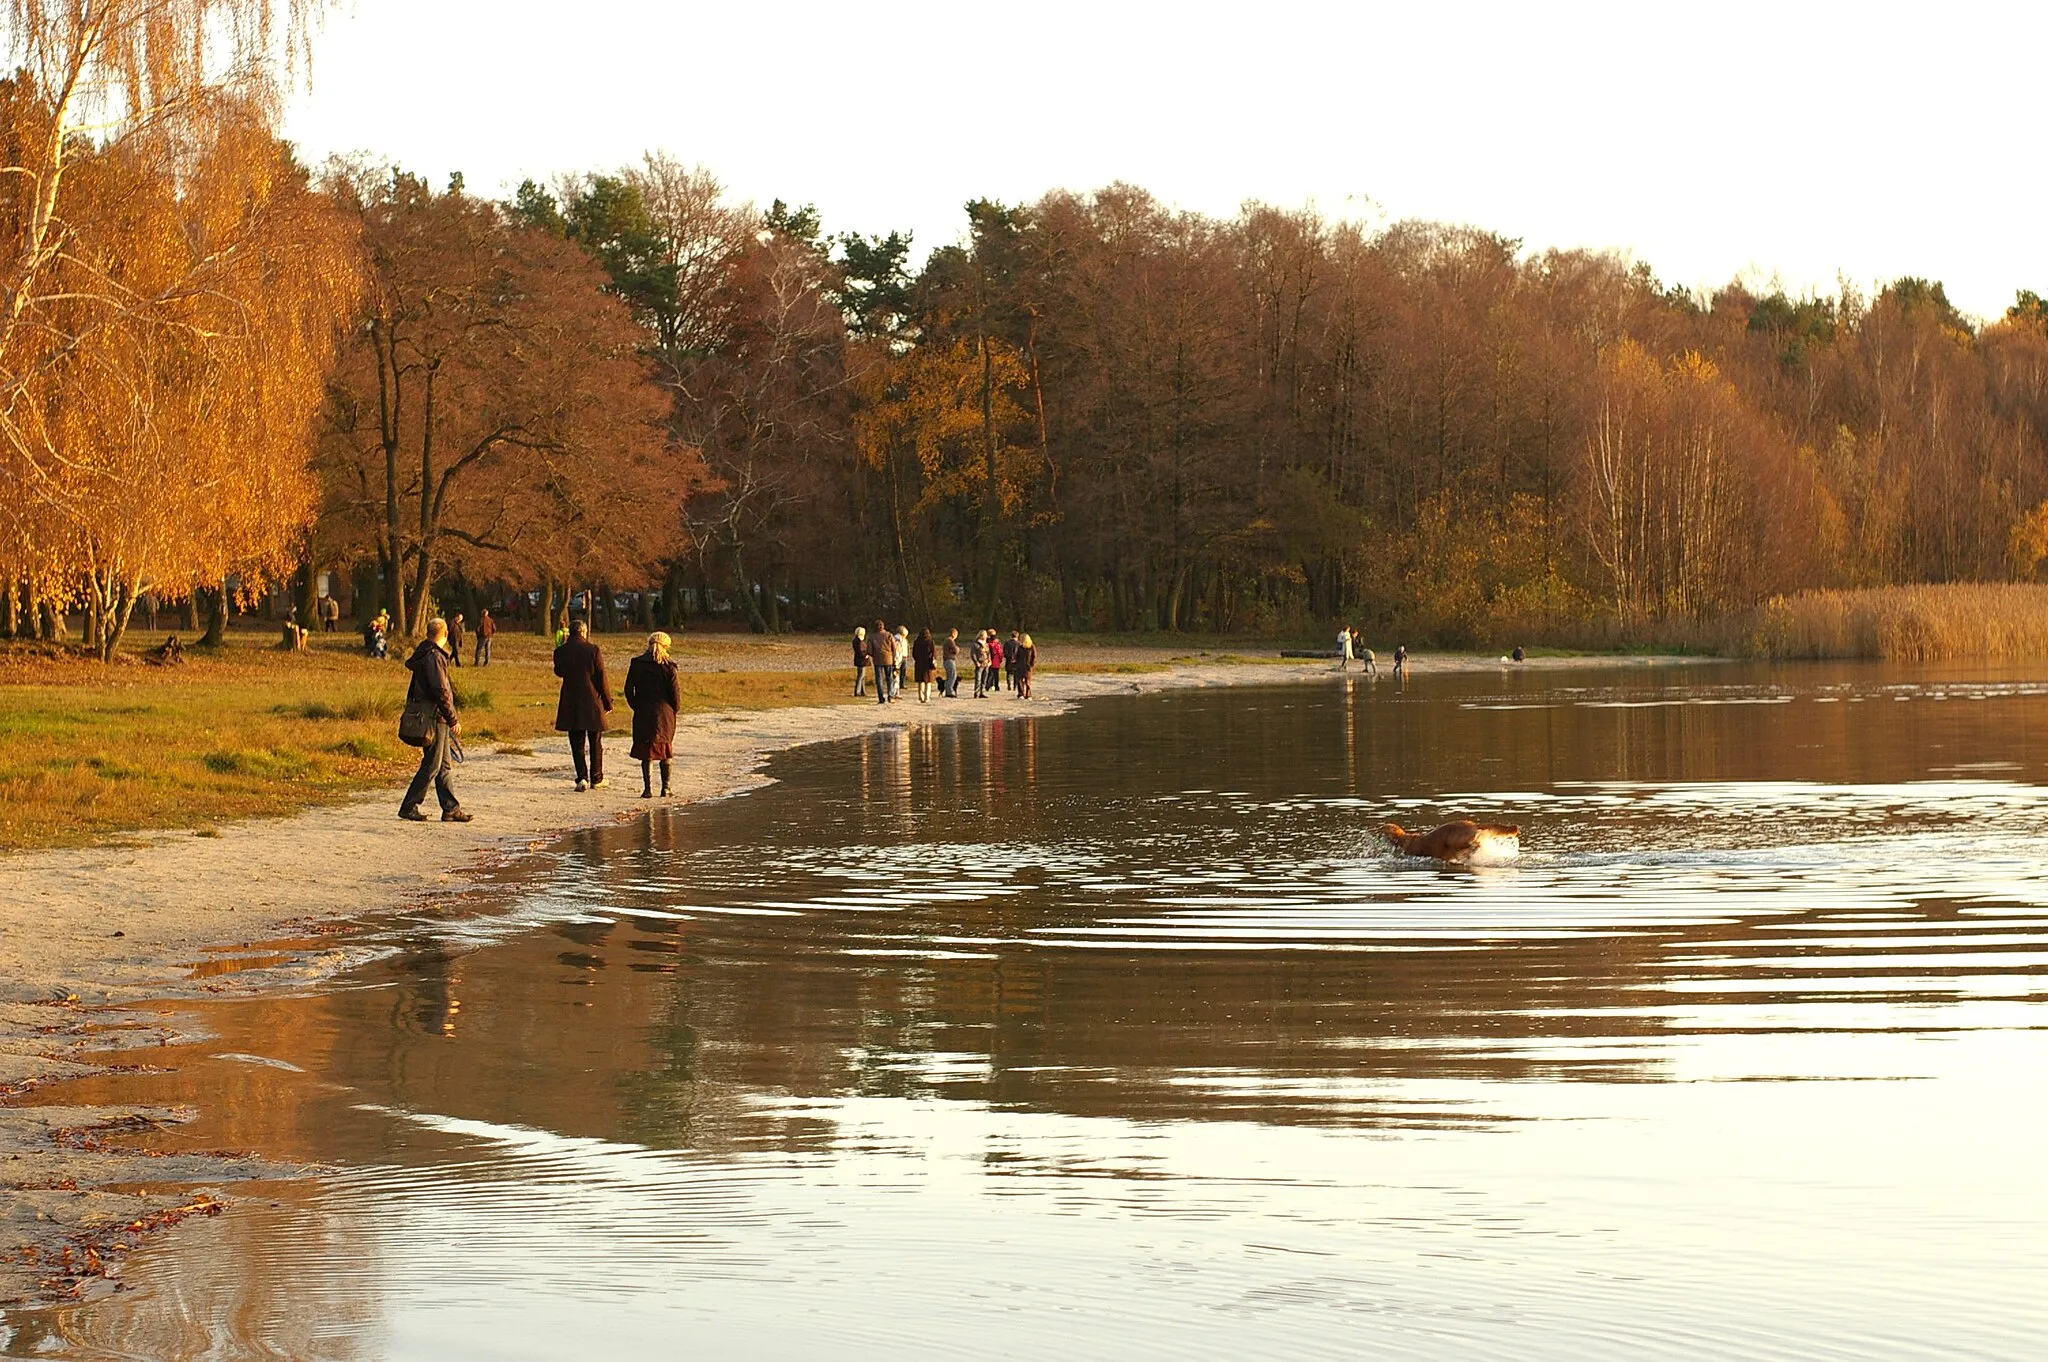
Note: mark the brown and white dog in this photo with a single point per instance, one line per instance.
(1461, 843)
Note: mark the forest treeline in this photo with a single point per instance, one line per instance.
(220, 369)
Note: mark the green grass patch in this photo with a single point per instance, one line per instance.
(264, 765)
(469, 695)
(363, 748)
(354, 708)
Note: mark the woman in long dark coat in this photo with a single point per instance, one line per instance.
(1027, 663)
(586, 699)
(655, 695)
(924, 656)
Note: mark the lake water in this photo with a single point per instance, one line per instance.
(1119, 1034)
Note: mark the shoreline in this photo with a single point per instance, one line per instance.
(84, 932)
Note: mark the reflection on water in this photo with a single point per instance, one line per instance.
(1118, 1034)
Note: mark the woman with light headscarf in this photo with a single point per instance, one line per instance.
(655, 694)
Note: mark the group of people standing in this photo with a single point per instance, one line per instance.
(377, 632)
(1351, 648)
(895, 661)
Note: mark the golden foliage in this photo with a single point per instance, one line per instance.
(174, 289)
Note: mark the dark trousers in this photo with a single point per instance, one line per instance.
(435, 769)
(483, 650)
(592, 768)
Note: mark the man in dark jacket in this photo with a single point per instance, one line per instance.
(429, 667)
(586, 699)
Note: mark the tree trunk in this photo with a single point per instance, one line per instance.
(544, 611)
(745, 591)
(306, 584)
(992, 496)
(10, 609)
(216, 617)
(672, 596)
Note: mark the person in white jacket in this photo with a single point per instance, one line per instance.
(1343, 650)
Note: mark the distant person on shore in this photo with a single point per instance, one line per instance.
(1344, 646)
(1364, 654)
(882, 646)
(996, 660)
(586, 699)
(978, 655)
(455, 640)
(486, 630)
(949, 659)
(1518, 654)
(860, 661)
(1027, 662)
(902, 658)
(1011, 656)
(654, 694)
(1400, 659)
(924, 657)
(429, 685)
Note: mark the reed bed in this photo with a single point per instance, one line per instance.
(1987, 621)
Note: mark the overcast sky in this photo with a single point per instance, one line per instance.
(1782, 141)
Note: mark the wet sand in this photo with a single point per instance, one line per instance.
(86, 937)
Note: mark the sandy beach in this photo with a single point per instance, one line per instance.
(86, 936)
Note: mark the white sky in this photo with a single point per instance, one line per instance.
(1789, 141)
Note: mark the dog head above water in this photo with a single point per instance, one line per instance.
(1461, 842)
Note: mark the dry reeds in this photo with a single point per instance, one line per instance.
(1991, 621)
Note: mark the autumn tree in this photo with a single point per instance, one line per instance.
(172, 290)
(494, 412)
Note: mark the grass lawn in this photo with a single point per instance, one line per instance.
(90, 751)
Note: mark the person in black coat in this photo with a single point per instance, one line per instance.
(654, 694)
(924, 656)
(429, 667)
(586, 699)
(860, 662)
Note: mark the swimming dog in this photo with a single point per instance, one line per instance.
(1461, 843)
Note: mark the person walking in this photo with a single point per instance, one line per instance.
(902, 658)
(486, 630)
(330, 614)
(860, 661)
(429, 688)
(924, 656)
(949, 658)
(882, 646)
(586, 698)
(978, 655)
(654, 694)
(1027, 659)
(455, 640)
(1344, 647)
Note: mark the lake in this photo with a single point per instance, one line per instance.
(1120, 1034)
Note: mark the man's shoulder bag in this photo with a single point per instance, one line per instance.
(416, 721)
